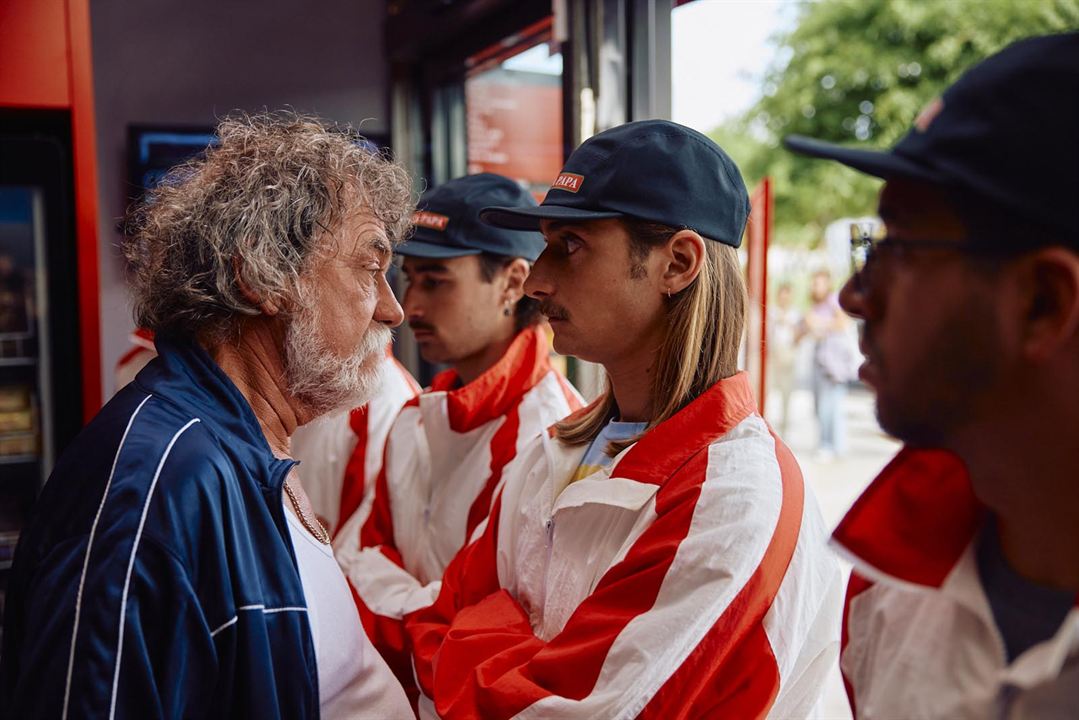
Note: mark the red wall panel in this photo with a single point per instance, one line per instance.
(34, 68)
(45, 62)
(83, 136)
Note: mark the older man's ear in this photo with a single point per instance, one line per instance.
(267, 307)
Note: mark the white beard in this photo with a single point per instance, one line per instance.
(321, 380)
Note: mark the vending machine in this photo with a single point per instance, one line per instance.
(40, 378)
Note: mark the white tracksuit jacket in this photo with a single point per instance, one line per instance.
(445, 457)
(919, 638)
(340, 454)
(689, 580)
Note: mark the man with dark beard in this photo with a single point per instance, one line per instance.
(174, 567)
(964, 601)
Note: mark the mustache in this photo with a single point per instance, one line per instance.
(865, 341)
(553, 310)
(420, 325)
(378, 338)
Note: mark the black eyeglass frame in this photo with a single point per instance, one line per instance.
(867, 238)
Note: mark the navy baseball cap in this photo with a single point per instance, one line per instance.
(447, 220)
(1007, 131)
(653, 170)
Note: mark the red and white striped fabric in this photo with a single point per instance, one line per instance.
(919, 638)
(340, 453)
(445, 457)
(142, 351)
(691, 580)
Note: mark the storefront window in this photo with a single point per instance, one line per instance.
(513, 101)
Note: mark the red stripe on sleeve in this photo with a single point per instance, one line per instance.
(733, 671)
(503, 450)
(355, 480)
(493, 666)
(428, 626)
(378, 528)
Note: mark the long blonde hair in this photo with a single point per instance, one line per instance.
(704, 328)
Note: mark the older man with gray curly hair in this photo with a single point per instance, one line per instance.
(174, 567)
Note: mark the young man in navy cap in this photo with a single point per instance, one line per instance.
(965, 597)
(449, 448)
(657, 554)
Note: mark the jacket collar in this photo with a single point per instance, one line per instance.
(185, 375)
(668, 446)
(915, 520)
(637, 473)
(499, 388)
(915, 523)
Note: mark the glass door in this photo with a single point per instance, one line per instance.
(26, 452)
(40, 363)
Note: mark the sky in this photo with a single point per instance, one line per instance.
(720, 50)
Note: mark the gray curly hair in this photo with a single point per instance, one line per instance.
(257, 205)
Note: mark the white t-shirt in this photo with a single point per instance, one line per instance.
(353, 679)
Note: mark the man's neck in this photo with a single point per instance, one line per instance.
(255, 364)
(631, 384)
(1033, 490)
(470, 368)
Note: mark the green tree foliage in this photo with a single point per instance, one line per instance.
(859, 72)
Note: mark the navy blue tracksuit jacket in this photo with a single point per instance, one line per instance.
(157, 578)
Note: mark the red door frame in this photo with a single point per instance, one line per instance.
(45, 47)
(84, 142)
(758, 238)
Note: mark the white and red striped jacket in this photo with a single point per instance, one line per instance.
(340, 454)
(919, 638)
(690, 580)
(445, 456)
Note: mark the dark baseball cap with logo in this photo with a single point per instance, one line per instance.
(653, 170)
(1007, 132)
(447, 220)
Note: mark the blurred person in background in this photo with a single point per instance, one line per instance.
(174, 567)
(964, 602)
(450, 448)
(835, 363)
(784, 328)
(656, 554)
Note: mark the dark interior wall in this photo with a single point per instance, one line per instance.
(171, 62)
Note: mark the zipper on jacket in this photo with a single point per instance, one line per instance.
(549, 525)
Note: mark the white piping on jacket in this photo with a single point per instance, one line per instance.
(131, 562)
(86, 560)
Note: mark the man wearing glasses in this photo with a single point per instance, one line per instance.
(965, 596)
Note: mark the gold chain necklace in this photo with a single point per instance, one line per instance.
(321, 534)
